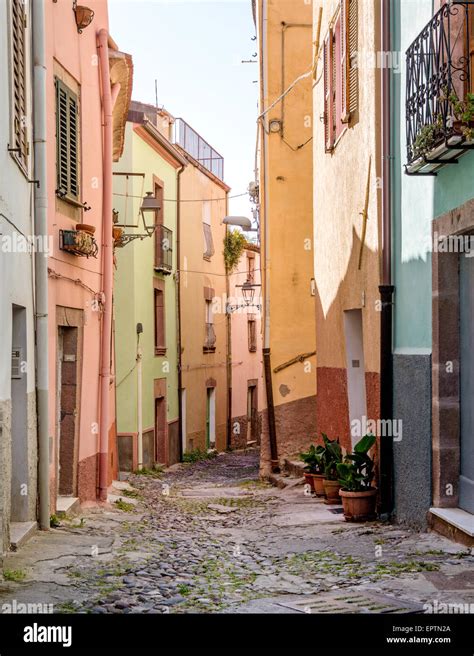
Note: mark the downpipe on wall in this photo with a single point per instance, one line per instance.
(386, 289)
(41, 262)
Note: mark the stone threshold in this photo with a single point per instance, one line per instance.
(454, 523)
(67, 506)
(21, 532)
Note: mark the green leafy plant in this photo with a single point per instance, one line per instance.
(357, 471)
(425, 140)
(234, 244)
(313, 459)
(331, 455)
(14, 574)
(123, 505)
(198, 454)
(463, 111)
(54, 521)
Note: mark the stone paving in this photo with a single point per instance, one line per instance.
(210, 537)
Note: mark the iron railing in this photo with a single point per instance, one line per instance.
(163, 248)
(439, 64)
(197, 147)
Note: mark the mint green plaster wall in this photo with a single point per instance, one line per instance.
(417, 199)
(412, 200)
(134, 291)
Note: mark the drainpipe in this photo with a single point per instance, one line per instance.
(178, 311)
(229, 346)
(266, 257)
(107, 255)
(386, 289)
(139, 402)
(41, 262)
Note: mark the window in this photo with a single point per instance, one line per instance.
(159, 195)
(341, 72)
(251, 268)
(252, 334)
(160, 342)
(19, 145)
(206, 226)
(67, 142)
(210, 336)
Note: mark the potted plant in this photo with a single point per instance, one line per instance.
(85, 227)
(313, 473)
(463, 114)
(355, 476)
(331, 457)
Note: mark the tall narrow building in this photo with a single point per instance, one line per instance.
(285, 183)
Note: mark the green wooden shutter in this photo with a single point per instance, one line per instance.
(67, 146)
(18, 39)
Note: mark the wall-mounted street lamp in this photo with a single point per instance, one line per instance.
(240, 222)
(147, 215)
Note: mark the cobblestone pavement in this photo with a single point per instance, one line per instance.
(209, 537)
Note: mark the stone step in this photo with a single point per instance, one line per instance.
(67, 506)
(293, 467)
(21, 532)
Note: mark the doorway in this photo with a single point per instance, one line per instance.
(466, 310)
(252, 415)
(160, 431)
(355, 370)
(67, 388)
(19, 421)
(211, 418)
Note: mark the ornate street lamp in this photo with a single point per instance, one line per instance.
(147, 214)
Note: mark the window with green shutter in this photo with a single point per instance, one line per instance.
(20, 146)
(67, 142)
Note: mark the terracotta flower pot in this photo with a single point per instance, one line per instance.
(85, 227)
(331, 489)
(359, 506)
(117, 233)
(308, 480)
(318, 484)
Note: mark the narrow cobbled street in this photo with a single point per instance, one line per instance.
(211, 537)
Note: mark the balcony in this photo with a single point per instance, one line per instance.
(163, 249)
(210, 339)
(197, 147)
(78, 242)
(439, 91)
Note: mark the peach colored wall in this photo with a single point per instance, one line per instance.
(196, 274)
(245, 365)
(74, 56)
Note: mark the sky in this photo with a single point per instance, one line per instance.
(194, 49)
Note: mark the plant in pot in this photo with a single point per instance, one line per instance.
(463, 114)
(355, 476)
(330, 458)
(313, 473)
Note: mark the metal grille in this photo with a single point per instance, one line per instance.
(163, 248)
(197, 147)
(352, 602)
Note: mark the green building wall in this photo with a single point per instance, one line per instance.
(134, 290)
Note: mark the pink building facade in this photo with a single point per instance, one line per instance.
(247, 363)
(88, 90)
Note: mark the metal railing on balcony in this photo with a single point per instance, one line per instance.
(163, 249)
(438, 91)
(210, 338)
(197, 147)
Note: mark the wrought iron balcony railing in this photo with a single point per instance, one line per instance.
(163, 249)
(439, 91)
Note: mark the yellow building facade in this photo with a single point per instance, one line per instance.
(284, 29)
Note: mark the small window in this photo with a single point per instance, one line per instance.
(67, 142)
(252, 334)
(207, 230)
(250, 268)
(210, 334)
(160, 341)
(19, 145)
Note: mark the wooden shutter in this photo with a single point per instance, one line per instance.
(18, 39)
(352, 11)
(329, 92)
(344, 60)
(67, 142)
